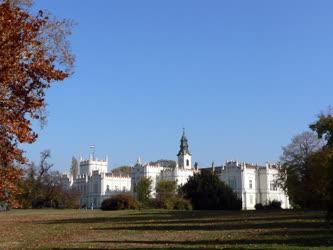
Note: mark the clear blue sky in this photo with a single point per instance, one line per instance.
(242, 77)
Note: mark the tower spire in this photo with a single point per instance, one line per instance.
(184, 155)
(183, 145)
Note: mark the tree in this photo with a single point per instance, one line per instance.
(143, 189)
(324, 127)
(294, 165)
(164, 163)
(207, 191)
(74, 167)
(166, 193)
(122, 170)
(42, 187)
(34, 53)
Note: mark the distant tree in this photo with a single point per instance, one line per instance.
(166, 193)
(324, 128)
(295, 171)
(165, 163)
(207, 191)
(144, 189)
(74, 167)
(42, 187)
(122, 170)
(34, 53)
(307, 166)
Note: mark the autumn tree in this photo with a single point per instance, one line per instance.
(34, 53)
(324, 128)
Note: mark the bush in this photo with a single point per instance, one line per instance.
(182, 204)
(272, 205)
(259, 206)
(176, 203)
(120, 202)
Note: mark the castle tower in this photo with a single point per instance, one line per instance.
(184, 155)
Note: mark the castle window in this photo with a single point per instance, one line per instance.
(124, 189)
(250, 184)
(273, 186)
(251, 199)
(107, 188)
(187, 162)
(232, 183)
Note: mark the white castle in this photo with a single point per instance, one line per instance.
(252, 183)
(95, 183)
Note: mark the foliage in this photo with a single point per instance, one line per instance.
(206, 191)
(30, 60)
(164, 163)
(120, 202)
(324, 128)
(295, 173)
(307, 172)
(122, 170)
(181, 204)
(272, 205)
(259, 206)
(41, 188)
(9, 178)
(144, 189)
(165, 190)
(34, 53)
(167, 198)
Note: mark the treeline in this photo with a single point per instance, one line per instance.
(42, 188)
(307, 166)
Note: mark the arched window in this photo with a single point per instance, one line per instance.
(187, 162)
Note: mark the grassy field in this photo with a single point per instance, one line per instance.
(160, 229)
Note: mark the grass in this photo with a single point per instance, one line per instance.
(161, 229)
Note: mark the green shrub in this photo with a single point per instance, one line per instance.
(259, 206)
(120, 202)
(182, 204)
(272, 205)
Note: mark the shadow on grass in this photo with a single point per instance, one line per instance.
(190, 217)
(303, 229)
(212, 244)
(219, 227)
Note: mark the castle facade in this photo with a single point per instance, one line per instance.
(252, 183)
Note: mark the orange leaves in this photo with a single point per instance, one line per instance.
(28, 66)
(9, 178)
(29, 63)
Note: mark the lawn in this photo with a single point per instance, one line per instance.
(161, 229)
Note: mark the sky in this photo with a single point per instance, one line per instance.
(242, 77)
